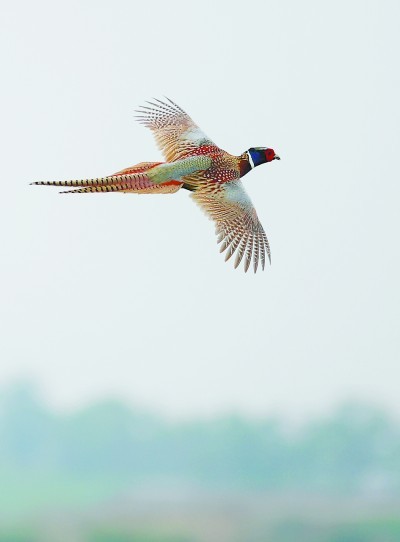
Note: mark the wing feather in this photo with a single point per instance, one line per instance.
(175, 132)
(237, 224)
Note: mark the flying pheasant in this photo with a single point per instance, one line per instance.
(197, 164)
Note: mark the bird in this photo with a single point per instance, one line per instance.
(195, 163)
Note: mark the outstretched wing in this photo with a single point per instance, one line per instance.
(237, 223)
(175, 132)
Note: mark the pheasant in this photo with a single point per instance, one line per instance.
(195, 163)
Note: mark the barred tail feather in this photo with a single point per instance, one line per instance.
(139, 180)
(166, 188)
(121, 187)
(129, 183)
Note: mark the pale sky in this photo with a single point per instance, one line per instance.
(127, 295)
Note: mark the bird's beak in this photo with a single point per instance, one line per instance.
(276, 157)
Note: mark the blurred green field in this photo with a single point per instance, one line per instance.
(204, 529)
(107, 473)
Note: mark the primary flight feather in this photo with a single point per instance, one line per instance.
(195, 163)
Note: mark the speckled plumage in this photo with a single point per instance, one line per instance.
(197, 164)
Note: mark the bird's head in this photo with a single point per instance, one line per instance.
(261, 155)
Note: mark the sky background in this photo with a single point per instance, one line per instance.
(126, 295)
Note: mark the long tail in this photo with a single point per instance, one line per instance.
(132, 179)
(113, 183)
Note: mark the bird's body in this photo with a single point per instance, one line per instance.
(195, 163)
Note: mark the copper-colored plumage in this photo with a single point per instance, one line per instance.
(195, 163)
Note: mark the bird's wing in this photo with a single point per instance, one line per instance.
(175, 132)
(237, 223)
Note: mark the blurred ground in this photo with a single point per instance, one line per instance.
(216, 518)
(107, 473)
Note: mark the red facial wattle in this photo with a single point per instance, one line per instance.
(269, 155)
